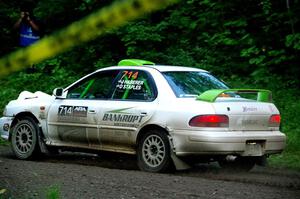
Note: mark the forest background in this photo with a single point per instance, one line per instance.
(248, 44)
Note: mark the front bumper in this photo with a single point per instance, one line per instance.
(5, 125)
(244, 143)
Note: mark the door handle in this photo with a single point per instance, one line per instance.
(92, 111)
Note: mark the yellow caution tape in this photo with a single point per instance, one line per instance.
(79, 32)
(2, 191)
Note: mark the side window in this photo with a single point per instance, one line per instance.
(97, 86)
(134, 85)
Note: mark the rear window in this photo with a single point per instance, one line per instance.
(192, 83)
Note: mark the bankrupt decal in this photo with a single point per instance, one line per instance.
(117, 117)
(122, 118)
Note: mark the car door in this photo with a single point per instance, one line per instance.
(132, 105)
(74, 121)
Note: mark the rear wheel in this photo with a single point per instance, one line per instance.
(24, 139)
(154, 152)
(239, 164)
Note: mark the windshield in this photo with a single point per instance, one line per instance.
(192, 83)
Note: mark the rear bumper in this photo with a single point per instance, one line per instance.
(244, 143)
(5, 124)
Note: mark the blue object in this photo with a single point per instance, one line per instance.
(27, 35)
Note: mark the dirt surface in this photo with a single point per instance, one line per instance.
(78, 175)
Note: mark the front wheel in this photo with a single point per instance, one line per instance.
(154, 152)
(24, 139)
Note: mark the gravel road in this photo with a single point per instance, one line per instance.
(78, 175)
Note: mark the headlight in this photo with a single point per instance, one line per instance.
(6, 127)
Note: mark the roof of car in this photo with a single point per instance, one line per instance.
(164, 68)
(161, 68)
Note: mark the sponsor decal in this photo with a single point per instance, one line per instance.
(80, 111)
(249, 109)
(72, 113)
(121, 118)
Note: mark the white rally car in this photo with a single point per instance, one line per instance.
(166, 115)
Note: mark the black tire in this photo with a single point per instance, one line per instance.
(153, 152)
(262, 161)
(240, 164)
(24, 139)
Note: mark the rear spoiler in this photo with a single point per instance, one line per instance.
(212, 95)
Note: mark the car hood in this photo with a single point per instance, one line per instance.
(28, 101)
(25, 95)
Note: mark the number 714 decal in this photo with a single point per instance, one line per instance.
(130, 74)
(72, 111)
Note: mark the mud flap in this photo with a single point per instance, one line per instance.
(179, 164)
(42, 144)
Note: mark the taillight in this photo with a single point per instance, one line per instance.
(210, 121)
(274, 120)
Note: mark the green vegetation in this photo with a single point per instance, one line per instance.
(53, 192)
(3, 193)
(288, 159)
(250, 44)
(3, 142)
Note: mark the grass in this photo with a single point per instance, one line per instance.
(3, 142)
(53, 192)
(3, 193)
(289, 160)
(288, 103)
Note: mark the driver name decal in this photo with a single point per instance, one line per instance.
(129, 81)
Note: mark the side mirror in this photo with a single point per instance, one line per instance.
(58, 92)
